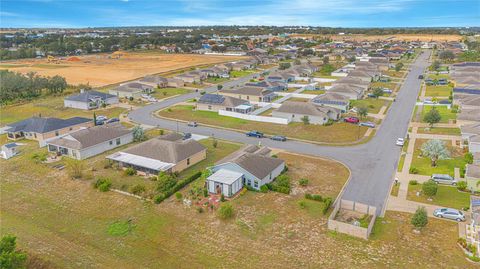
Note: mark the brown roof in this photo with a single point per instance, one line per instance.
(92, 136)
(165, 150)
(257, 164)
(302, 108)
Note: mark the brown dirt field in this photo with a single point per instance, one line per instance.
(101, 70)
(397, 37)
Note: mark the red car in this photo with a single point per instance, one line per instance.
(352, 120)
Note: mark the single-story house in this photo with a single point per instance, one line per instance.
(216, 102)
(168, 153)
(154, 81)
(252, 94)
(332, 99)
(175, 82)
(275, 86)
(474, 143)
(131, 90)
(468, 116)
(472, 176)
(251, 169)
(189, 78)
(351, 91)
(296, 111)
(9, 150)
(92, 141)
(352, 81)
(89, 100)
(470, 130)
(360, 75)
(281, 77)
(43, 129)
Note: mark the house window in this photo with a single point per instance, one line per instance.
(35, 135)
(70, 128)
(248, 97)
(110, 142)
(56, 133)
(188, 161)
(255, 184)
(117, 141)
(209, 107)
(249, 182)
(74, 153)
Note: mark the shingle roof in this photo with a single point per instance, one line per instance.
(258, 165)
(44, 125)
(165, 150)
(89, 95)
(471, 128)
(91, 136)
(473, 170)
(302, 108)
(154, 79)
(331, 98)
(217, 99)
(469, 114)
(258, 91)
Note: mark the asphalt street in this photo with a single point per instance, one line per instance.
(372, 165)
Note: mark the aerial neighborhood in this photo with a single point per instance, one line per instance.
(281, 142)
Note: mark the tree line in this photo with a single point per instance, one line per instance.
(16, 86)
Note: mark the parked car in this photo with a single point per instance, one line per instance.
(371, 95)
(387, 90)
(400, 141)
(352, 120)
(99, 122)
(420, 77)
(112, 120)
(187, 136)
(255, 134)
(449, 213)
(192, 124)
(279, 138)
(101, 118)
(444, 179)
(368, 124)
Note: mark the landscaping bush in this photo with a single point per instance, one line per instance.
(130, 171)
(200, 209)
(303, 182)
(39, 157)
(462, 185)
(102, 184)
(178, 195)
(138, 189)
(10, 255)
(167, 192)
(327, 203)
(315, 197)
(469, 157)
(413, 182)
(159, 198)
(413, 170)
(225, 211)
(280, 184)
(222, 198)
(420, 219)
(302, 204)
(264, 188)
(430, 188)
(165, 182)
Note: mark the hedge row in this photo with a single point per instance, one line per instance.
(180, 184)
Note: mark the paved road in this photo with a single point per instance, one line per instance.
(372, 164)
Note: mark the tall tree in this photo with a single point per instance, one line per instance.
(435, 149)
(432, 117)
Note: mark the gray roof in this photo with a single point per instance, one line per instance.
(257, 91)
(469, 114)
(217, 99)
(44, 125)
(154, 79)
(258, 165)
(471, 128)
(473, 170)
(89, 95)
(302, 108)
(88, 137)
(165, 150)
(331, 98)
(132, 87)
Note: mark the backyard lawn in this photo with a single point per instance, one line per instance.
(394, 74)
(389, 85)
(316, 92)
(438, 91)
(447, 166)
(373, 104)
(336, 133)
(446, 196)
(445, 113)
(241, 73)
(216, 80)
(438, 76)
(168, 92)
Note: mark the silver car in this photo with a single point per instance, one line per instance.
(449, 213)
(444, 179)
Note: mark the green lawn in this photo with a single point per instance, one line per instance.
(447, 166)
(316, 92)
(374, 105)
(439, 130)
(319, 74)
(388, 85)
(445, 113)
(438, 91)
(336, 133)
(168, 92)
(446, 196)
(394, 74)
(241, 73)
(438, 76)
(216, 80)
(298, 99)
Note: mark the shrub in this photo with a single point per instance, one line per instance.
(264, 188)
(302, 204)
(165, 182)
(137, 189)
(75, 168)
(413, 170)
(420, 219)
(429, 188)
(102, 184)
(130, 171)
(280, 184)
(226, 211)
(138, 134)
(215, 143)
(222, 198)
(167, 192)
(327, 203)
(39, 157)
(107, 164)
(159, 198)
(178, 195)
(413, 182)
(315, 197)
(462, 185)
(469, 157)
(10, 256)
(303, 182)
(200, 209)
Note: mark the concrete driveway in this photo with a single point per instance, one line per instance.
(373, 164)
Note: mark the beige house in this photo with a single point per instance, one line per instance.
(252, 94)
(168, 153)
(43, 129)
(216, 102)
(297, 111)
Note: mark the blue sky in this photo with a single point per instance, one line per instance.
(329, 13)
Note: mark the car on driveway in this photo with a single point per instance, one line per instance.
(368, 124)
(112, 120)
(449, 213)
(256, 134)
(420, 77)
(192, 124)
(444, 179)
(279, 138)
(400, 141)
(352, 120)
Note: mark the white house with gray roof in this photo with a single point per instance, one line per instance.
(297, 111)
(89, 100)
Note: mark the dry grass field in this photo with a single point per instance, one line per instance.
(397, 37)
(101, 69)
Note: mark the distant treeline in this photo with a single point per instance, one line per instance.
(16, 86)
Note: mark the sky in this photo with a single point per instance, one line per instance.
(327, 13)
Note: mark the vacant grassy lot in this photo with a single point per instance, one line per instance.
(446, 196)
(445, 113)
(241, 73)
(216, 80)
(50, 107)
(70, 224)
(168, 92)
(373, 105)
(424, 166)
(316, 92)
(439, 130)
(336, 133)
(438, 91)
